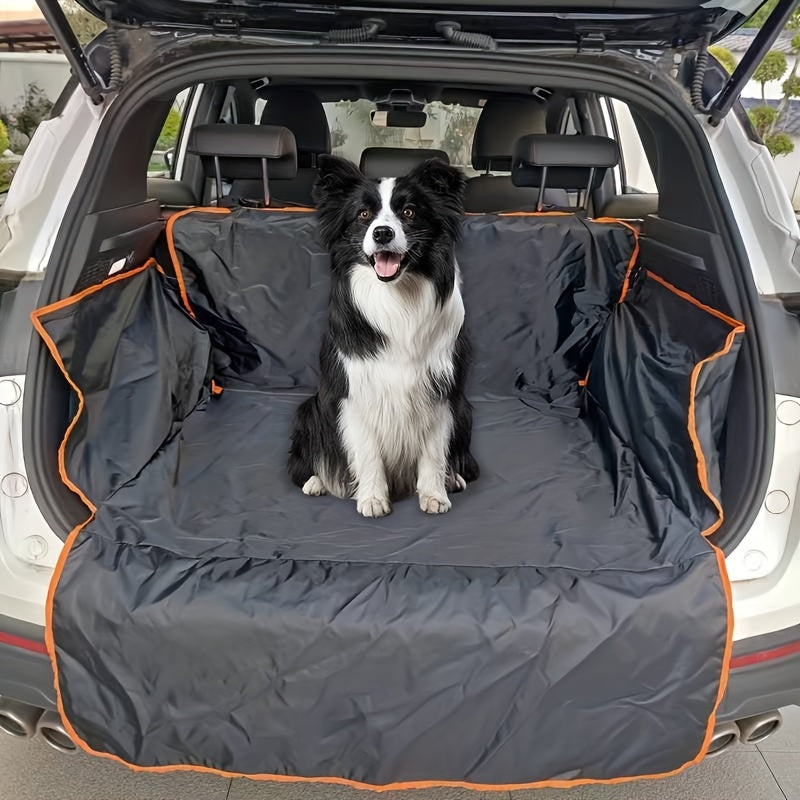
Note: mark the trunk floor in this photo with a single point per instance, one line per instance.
(546, 497)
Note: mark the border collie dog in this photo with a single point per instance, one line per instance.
(390, 417)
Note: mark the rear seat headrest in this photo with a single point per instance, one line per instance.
(562, 161)
(502, 121)
(240, 149)
(245, 153)
(301, 111)
(392, 162)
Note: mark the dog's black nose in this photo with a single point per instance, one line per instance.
(383, 234)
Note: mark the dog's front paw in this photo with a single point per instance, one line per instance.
(373, 506)
(434, 503)
(314, 487)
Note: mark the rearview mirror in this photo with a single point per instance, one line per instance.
(399, 119)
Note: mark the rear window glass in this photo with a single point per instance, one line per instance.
(449, 127)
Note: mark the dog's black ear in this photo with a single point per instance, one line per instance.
(337, 176)
(442, 179)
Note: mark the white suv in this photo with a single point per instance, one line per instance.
(678, 460)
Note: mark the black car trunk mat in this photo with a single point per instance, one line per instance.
(567, 621)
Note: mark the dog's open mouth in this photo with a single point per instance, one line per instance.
(387, 264)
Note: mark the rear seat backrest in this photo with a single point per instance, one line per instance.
(501, 123)
(392, 162)
(174, 195)
(260, 281)
(303, 114)
(249, 157)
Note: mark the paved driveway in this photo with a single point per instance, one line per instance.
(30, 770)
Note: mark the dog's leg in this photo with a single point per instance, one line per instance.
(371, 488)
(432, 466)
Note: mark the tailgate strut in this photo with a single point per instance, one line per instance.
(762, 42)
(73, 51)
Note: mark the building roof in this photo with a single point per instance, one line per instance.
(790, 120)
(739, 42)
(26, 35)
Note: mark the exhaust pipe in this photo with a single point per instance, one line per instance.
(757, 728)
(725, 736)
(18, 719)
(52, 730)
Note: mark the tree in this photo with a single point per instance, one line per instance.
(169, 132)
(779, 144)
(35, 107)
(22, 119)
(85, 25)
(338, 138)
(376, 136)
(772, 68)
(760, 17)
(724, 56)
(457, 139)
(763, 119)
(791, 86)
(6, 169)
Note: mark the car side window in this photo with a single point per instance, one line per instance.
(569, 120)
(163, 155)
(229, 113)
(635, 175)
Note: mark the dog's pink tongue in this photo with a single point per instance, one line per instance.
(387, 264)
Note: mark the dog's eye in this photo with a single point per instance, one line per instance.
(408, 213)
(364, 214)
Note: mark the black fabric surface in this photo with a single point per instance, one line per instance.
(566, 620)
(538, 290)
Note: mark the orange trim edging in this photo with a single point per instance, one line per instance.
(634, 255)
(401, 785)
(737, 328)
(174, 255)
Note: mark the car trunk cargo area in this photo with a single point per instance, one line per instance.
(567, 620)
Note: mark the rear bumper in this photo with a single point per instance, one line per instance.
(26, 673)
(771, 681)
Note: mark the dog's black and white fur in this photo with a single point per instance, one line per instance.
(390, 416)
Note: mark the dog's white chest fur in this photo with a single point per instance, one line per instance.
(392, 404)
